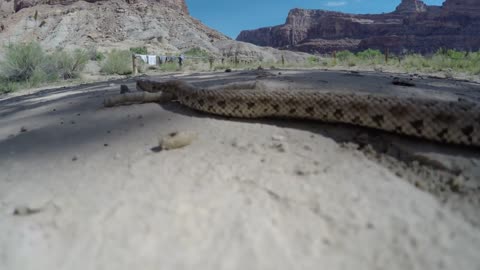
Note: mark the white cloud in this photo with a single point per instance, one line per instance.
(335, 3)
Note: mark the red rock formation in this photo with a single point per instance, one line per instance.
(413, 26)
(411, 6)
(21, 4)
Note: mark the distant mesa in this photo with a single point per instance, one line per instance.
(413, 26)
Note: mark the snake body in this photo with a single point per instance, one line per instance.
(436, 120)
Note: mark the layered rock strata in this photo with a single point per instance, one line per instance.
(413, 26)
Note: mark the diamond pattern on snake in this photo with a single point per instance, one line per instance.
(436, 120)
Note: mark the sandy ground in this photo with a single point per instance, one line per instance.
(81, 187)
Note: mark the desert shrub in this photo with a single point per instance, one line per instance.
(7, 86)
(196, 52)
(68, 65)
(94, 54)
(451, 54)
(344, 56)
(99, 57)
(312, 60)
(415, 62)
(474, 59)
(139, 50)
(21, 61)
(118, 62)
(371, 56)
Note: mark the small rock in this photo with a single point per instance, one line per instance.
(278, 138)
(177, 140)
(228, 70)
(75, 158)
(23, 129)
(105, 144)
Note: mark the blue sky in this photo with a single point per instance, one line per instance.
(230, 17)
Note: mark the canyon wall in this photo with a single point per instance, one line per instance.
(413, 26)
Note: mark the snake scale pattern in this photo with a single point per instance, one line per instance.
(436, 120)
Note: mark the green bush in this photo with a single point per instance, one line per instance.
(451, 54)
(7, 86)
(371, 55)
(344, 56)
(99, 57)
(139, 50)
(312, 60)
(69, 65)
(94, 54)
(118, 62)
(22, 61)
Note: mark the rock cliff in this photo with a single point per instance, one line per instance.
(413, 26)
(179, 5)
(163, 26)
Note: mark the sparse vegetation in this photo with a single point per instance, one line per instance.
(27, 65)
(197, 52)
(99, 57)
(313, 60)
(69, 65)
(7, 86)
(139, 50)
(22, 61)
(371, 56)
(94, 54)
(447, 61)
(118, 62)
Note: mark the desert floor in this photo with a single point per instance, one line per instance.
(83, 187)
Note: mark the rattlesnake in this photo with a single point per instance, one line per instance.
(437, 120)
